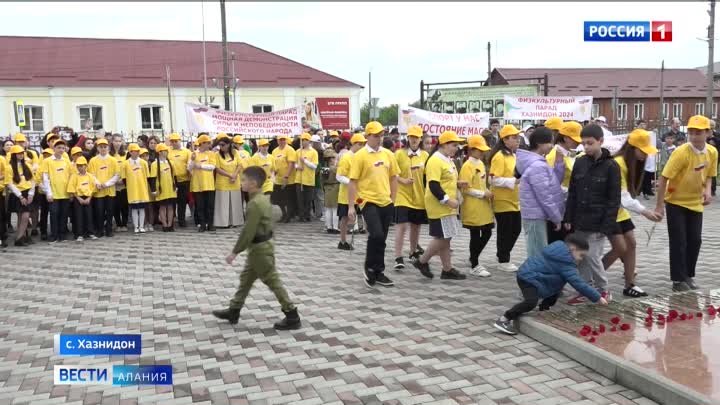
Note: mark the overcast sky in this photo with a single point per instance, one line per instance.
(402, 43)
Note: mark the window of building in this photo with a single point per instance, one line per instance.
(595, 110)
(262, 108)
(699, 108)
(91, 118)
(677, 110)
(151, 117)
(639, 111)
(622, 112)
(666, 110)
(34, 121)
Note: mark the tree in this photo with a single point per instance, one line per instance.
(389, 115)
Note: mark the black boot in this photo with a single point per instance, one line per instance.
(291, 321)
(231, 315)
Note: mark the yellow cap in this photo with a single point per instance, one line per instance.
(285, 137)
(144, 151)
(203, 139)
(161, 147)
(51, 135)
(133, 147)
(238, 139)
(572, 130)
(60, 141)
(74, 150)
(415, 131)
(478, 142)
(222, 135)
(263, 142)
(449, 136)
(305, 137)
(16, 149)
(48, 151)
(81, 161)
(19, 137)
(334, 134)
(174, 136)
(508, 130)
(554, 123)
(101, 141)
(698, 122)
(640, 139)
(357, 138)
(374, 128)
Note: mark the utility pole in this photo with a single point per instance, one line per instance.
(370, 96)
(662, 100)
(226, 85)
(615, 106)
(202, 8)
(489, 69)
(234, 81)
(167, 76)
(711, 63)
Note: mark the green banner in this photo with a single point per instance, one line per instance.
(489, 99)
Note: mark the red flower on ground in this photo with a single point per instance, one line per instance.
(615, 320)
(625, 326)
(661, 317)
(711, 311)
(613, 329)
(595, 333)
(699, 315)
(649, 310)
(601, 328)
(673, 314)
(683, 317)
(586, 329)
(591, 340)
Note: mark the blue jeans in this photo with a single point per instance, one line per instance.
(535, 236)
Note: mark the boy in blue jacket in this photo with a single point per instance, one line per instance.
(544, 276)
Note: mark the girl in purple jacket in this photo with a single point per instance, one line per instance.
(541, 197)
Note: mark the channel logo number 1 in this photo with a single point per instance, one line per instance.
(661, 31)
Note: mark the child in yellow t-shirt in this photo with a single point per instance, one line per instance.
(81, 187)
(135, 174)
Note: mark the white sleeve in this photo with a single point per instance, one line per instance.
(14, 190)
(46, 185)
(630, 203)
(309, 164)
(190, 165)
(113, 180)
(31, 192)
(343, 179)
(207, 167)
(475, 193)
(504, 182)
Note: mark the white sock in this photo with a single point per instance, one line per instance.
(328, 218)
(141, 220)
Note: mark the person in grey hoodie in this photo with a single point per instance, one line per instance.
(541, 196)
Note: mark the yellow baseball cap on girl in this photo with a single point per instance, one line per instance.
(203, 139)
(357, 138)
(285, 137)
(449, 136)
(48, 151)
(305, 137)
(478, 142)
(508, 130)
(19, 137)
(74, 150)
(698, 122)
(15, 149)
(640, 139)
(572, 130)
(81, 161)
(144, 151)
(161, 147)
(263, 142)
(374, 128)
(238, 139)
(101, 141)
(415, 131)
(222, 135)
(555, 123)
(133, 147)
(334, 134)
(174, 136)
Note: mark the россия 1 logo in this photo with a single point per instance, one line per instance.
(627, 31)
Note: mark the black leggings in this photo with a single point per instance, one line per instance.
(509, 225)
(120, 210)
(479, 237)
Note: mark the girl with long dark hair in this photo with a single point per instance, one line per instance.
(163, 187)
(228, 196)
(120, 210)
(20, 180)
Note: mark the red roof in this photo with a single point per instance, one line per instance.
(46, 61)
(599, 83)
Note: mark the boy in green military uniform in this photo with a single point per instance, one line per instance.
(256, 237)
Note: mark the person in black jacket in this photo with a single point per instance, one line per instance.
(592, 206)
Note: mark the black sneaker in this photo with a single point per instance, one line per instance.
(344, 246)
(419, 251)
(452, 275)
(634, 292)
(369, 277)
(399, 263)
(424, 269)
(20, 242)
(384, 281)
(680, 286)
(691, 283)
(505, 327)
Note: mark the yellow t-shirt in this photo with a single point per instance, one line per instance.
(441, 169)
(303, 174)
(103, 169)
(551, 156)
(372, 170)
(58, 171)
(623, 214)
(82, 185)
(267, 163)
(281, 161)
(687, 171)
(201, 179)
(475, 211)
(164, 184)
(504, 199)
(179, 159)
(230, 164)
(3, 173)
(343, 169)
(411, 195)
(24, 184)
(119, 163)
(135, 174)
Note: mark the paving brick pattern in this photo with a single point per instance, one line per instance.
(421, 342)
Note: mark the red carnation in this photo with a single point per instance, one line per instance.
(661, 317)
(648, 319)
(649, 310)
(585, 330)
(711, 311)
(673, 314)
(625, 326)
(601, 328)
(699, 315)
(595, 333)
(615, 320)
(613, 329)
(591, 340)
(683, 317)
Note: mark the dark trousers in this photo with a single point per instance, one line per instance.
(82, 219)
(58, 218)
(3, 218)
(205, 207)
(479, 237)
(647, 187)
(103, 209)
(377, 220)
(509, 225)
(713, 187)
(183, 188)
(553, 235)
(685, 237)
(121, 208)
(44, 214)
(529, 302)
(304, 200)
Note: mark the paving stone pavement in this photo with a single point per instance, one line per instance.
(420, 342)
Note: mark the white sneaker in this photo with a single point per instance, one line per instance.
(137, 229)
(93, 237)
(142, 230)
(150, 228)
(79, 239)
(507, 267)
(479, 271)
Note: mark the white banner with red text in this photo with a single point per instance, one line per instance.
(575, 108)
(202, 118)
(435, 124)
